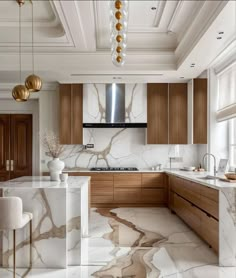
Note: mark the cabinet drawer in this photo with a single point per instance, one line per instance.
(210, 193)
(127, 180)
(153, 195)
(210, 206)
(127, 195)
(188, 190)
(153, 180)
(102, 199)
(210, 231)
(189, 213)
(102, 188)
(101, 177)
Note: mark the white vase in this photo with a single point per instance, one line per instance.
(55, 167)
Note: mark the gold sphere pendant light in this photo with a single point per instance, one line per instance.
(33, 82)
(20, 93)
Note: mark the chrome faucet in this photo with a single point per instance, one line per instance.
(203, 161)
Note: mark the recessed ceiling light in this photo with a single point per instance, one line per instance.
(192, 65)
(219, 38)
(153, 8)
(181, 77)
(221, 33)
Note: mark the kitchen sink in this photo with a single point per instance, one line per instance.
(208, 178)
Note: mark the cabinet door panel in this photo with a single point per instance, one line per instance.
(157, 113)
(153, 196)
(153, 180)
(71, 114)
(200, 111)
(102, 188)
(190, 214)
(102, 199)
(178, 116)
(127, 195)
(65, 114)
(77, 114)
(4, 147)
(210, 231)
(127, 180)
(21, 145)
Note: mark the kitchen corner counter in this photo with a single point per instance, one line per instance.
(227, 213)
(60, 219)
(196, 177)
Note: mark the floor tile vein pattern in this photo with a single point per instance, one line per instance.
(140, 243)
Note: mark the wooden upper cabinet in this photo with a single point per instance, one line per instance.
(71, 114)
(200, 111)
(178, 113)
(157, 113)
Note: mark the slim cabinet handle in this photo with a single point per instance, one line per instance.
(7, 165)
(12, 165)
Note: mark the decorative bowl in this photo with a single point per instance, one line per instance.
(231, 176)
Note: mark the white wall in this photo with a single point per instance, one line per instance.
(48, 119)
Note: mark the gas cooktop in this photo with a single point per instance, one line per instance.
(114, 169)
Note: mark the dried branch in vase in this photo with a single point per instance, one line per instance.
(51, 145)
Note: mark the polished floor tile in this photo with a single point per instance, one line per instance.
(139, 243)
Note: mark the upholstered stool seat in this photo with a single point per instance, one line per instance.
(13, 218)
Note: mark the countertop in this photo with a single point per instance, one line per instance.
(189, 175)
(196, 177)
(45, 182)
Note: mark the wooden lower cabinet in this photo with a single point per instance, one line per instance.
(127, 189)
(199, 209)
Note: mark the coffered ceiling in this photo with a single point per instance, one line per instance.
(72, 39)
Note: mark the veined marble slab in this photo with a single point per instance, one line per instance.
(60, 219)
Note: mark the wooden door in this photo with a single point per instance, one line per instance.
(21, 146)
(200, 111)
(4, 147)
(157, 115)
(178, 115)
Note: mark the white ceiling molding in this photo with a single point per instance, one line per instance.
(82, 43)
(200, 24)
(74, 21)
(226, 58)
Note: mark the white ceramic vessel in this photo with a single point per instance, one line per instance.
(55, 167)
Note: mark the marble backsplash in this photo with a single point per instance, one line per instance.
(115, 147)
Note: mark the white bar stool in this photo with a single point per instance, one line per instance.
(13, 218)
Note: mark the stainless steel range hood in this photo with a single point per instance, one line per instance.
(115, 109)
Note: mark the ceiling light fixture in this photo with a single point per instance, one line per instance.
(20, 93)
(118, 26)
(33, 82)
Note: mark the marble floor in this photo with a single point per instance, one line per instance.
(139, 243)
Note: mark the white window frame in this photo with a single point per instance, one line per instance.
(232, 143)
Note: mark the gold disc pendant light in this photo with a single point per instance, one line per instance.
(33, 82)
(20, 93)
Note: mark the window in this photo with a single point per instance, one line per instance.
(227, 94)
(232, 143)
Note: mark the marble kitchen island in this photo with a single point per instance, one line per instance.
(60, 220)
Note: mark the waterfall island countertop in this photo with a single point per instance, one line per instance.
(60, 220)
(45, 182)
